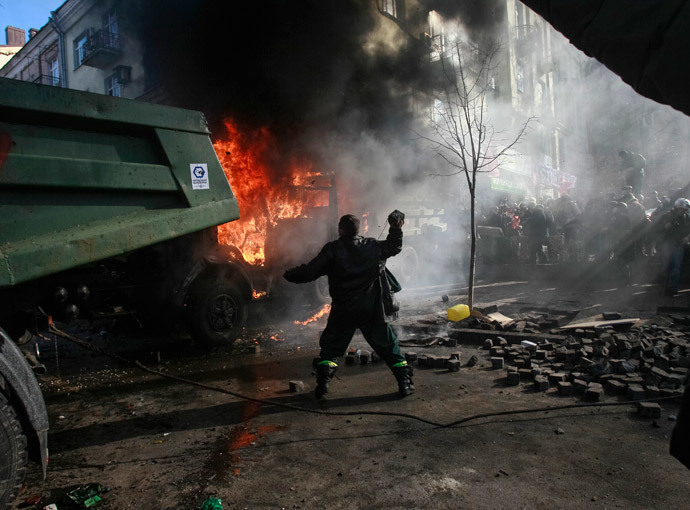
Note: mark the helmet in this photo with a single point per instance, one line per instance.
(682, 203)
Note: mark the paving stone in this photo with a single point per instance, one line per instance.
(472, 361)
(594, 393)
(488, 344)
(454, 365)
(440, 362)
(616, 387)
(635, 392)
(653, 392)
(649, 409)
(296, 386)
(676, 379)
(513, 378)
(352, 359)
(541, 383)
(557, 377)
(410, 357)
(580, 385)
(456, 355)
(497, 362)
(365, 358)
(566, 388)
(525, 374)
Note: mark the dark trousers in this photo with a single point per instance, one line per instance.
(675, 265)
(379, 335)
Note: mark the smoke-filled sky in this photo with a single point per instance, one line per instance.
(332, 79)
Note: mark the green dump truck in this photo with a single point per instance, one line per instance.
(104, 201)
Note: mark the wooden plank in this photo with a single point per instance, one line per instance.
(499, 317)
(477, 336)
(599, 324)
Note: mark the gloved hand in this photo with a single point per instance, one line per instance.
(396, 219)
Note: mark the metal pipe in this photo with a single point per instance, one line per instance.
(38, 367)
(61, 47)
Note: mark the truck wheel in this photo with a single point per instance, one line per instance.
(319, 291)
(217, 313)
(13, 454)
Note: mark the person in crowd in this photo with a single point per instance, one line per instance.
(569, 221)
(536, 225)
(634, 164)
(675, 226)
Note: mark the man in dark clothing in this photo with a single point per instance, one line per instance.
(676, 234)
(634, 164)
(354, 265)
(537, 231)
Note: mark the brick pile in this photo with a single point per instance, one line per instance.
(638, 363)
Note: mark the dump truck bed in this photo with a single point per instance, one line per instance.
(84, 177)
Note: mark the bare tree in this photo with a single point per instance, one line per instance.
(461, 129)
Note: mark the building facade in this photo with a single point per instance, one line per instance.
(87, 45)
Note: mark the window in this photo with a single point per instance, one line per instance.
(436, 36)
(389, 7)
(112, 86)
(110, 21)
(54, 71)
(80, 48)
(438, 111)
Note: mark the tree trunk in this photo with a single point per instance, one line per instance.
(473, 248)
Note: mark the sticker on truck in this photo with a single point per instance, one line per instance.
(199, 173)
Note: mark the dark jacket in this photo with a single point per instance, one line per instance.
(352, 265)
(674, 227)
(537, 224)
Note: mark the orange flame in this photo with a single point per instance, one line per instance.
(258, 294)
(326, 308)
(263, 196)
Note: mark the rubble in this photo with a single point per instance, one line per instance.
(618, 356)
(296, 386)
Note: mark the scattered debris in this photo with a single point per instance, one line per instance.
(212, 504)
(597, 357)
(296, 386)
(560, 431)
(87, 495)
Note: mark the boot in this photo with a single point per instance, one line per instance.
(325, 370)
(404, 374)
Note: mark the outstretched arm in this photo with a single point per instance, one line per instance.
(312, 270)
(393, 243)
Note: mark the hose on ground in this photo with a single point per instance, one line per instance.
(99, 350)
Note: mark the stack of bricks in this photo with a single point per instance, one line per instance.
(640, 363)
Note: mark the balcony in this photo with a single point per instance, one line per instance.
(101, 49)
(46, 79)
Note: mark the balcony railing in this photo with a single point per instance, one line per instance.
(101, 48)
(46, 79)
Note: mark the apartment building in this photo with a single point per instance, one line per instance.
(87, 45)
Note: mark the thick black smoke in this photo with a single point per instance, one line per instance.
(282, 64)
(290, 65)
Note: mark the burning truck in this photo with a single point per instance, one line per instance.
(104, 202)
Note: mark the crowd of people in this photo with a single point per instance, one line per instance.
(624, 227)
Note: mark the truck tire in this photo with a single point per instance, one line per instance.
(319, 293)
(13, 453)
(217, 314)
